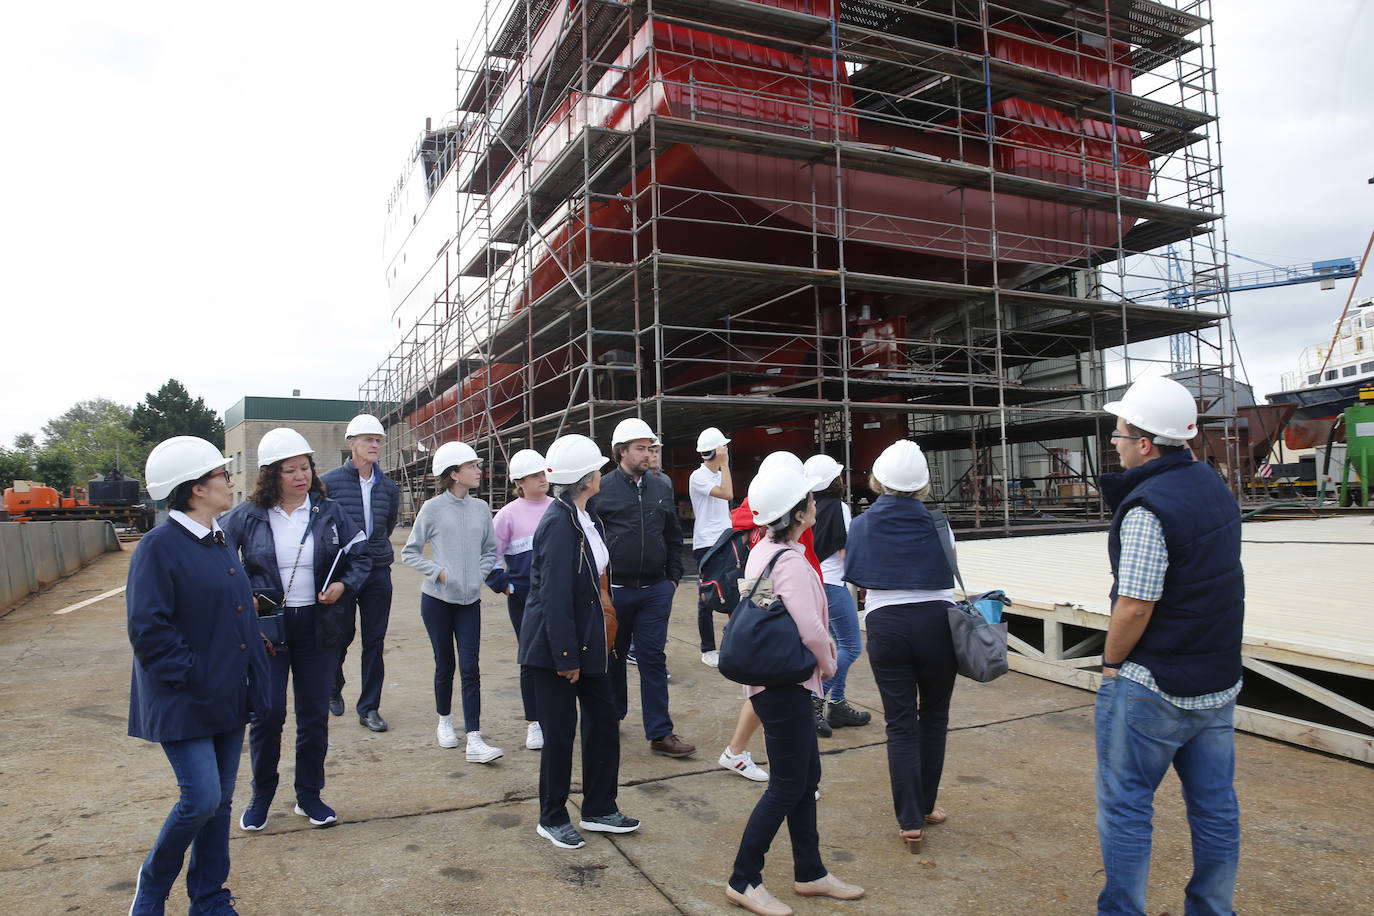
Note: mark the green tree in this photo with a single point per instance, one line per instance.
(171, 412)
(97, 434)
(25, 442)
(15, 464)
(55, 467)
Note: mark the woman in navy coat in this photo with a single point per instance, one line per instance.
(200, 668)
(564, 647)
(290, 537)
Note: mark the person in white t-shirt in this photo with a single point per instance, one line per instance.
(711, 489)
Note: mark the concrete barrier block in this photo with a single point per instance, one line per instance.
(16, 578)
(68, 546)
(95, 539)
(42, 545)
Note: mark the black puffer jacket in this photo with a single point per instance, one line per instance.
(642, 530)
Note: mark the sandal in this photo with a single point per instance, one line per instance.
(913, 839)
(938, 816)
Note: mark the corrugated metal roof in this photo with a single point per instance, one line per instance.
(256, 408)
(1307, 581)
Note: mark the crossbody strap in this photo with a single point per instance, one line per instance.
(940, 519)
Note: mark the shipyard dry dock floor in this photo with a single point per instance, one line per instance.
(422, 831)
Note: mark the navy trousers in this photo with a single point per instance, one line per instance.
(642, 616)
(794, 772)
(557, 700)
(461, 624)
(374, 615)
(515, 607)
(912, 655)
(706, 627)
(310, 668)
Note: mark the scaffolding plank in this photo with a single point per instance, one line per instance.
(582, 155)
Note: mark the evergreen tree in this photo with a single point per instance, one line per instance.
(171, 412)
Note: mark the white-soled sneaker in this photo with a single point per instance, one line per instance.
(711, 658)
(743, 764)
(534, 737)
(447, 736)
(479, 751)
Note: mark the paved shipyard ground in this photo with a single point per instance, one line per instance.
(422, 831)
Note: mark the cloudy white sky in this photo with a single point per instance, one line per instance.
(197, 191)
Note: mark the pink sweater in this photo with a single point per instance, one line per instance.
(796, 583)
(515, 525)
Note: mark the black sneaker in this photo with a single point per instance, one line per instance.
(564, 837)
(609, 823)
(336, 705)
(841, 714)
(822, 726)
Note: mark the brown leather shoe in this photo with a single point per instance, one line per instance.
(828, 886)
(672, 746)
(756, 899)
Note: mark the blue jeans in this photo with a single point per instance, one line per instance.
(642, 615)
(374, 614)
(1138, 735)
(912, 655)
(310, 667)
(205, 769)
(448, 624)
(794, 772)
(844, 626)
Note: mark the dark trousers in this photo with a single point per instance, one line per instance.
(912, 655)
(311, 668)
(515, 607)
(706, 627)
(557, 701)
(205, 769)
(447, 625)
(642, 616)
(794, 772)
(374, 614)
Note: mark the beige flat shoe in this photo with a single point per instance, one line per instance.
(828, 886)
(756, 899)
(938, 816)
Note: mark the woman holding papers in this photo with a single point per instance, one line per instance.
(291, 539)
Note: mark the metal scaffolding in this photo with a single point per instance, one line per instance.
(833, 223)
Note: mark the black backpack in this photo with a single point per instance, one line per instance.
(721, 569)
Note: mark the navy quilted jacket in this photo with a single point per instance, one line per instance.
(342, 485)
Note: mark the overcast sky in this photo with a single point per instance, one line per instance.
(197, 191)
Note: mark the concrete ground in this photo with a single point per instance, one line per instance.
(422, 831)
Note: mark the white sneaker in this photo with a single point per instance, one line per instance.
(534, 737)
(479, 751)
(447, 736)
(711, 658)
(743, 764)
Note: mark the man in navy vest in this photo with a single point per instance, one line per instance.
(373, 501)
(1171, 667)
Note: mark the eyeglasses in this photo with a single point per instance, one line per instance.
(1117, 435)
(222, 472)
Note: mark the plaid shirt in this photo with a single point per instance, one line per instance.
(1140, 574)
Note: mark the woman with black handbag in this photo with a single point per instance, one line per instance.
(291, 538)
(781, 499)
(894, 552)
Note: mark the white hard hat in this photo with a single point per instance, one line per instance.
(773, 494)
(281, 443)
(902, 467)
(452, 454)
(179, 459)
(526, 462)
(710, 440)
(364, 424)
(630, 430)
(573, 457)
(823, 469)
(775, 460)
(1160, 406)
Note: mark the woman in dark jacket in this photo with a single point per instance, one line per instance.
(291, 538)
(894, 552)
(564, 645)
(199, 668)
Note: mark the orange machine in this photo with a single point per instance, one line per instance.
(29, 501)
